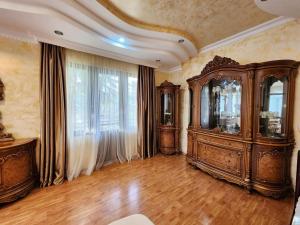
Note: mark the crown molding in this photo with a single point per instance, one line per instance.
(247, 33)
(18, 36)
(171, 70)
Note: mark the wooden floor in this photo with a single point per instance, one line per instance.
(165, 188)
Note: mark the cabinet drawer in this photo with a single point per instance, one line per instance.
(224, 159)
(219, 141)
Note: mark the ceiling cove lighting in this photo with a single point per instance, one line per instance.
(117, 44)
(121, 40)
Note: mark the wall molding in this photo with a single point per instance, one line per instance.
(18, 36)
(171, 70)
(247, 33)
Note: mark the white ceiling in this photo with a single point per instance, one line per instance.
(90, 27)
(287, 8)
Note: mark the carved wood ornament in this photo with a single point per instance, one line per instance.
(218, 62)
(3, 135)
(248, 158)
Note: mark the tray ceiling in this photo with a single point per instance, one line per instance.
(205, 21)
(90, 27)
(143, 32)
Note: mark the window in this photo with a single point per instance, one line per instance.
(100, 99)
(101, 112)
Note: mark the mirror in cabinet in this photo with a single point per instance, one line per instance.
(167, 113)
(221, 106)
(273, 107)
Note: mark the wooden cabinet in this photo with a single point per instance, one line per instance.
(241, 123)
(167, 117)
(17, 169)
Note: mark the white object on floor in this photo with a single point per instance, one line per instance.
(135, 219)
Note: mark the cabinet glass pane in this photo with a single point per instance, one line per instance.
(167, 109)
(221, 106)
(205, 107)
(273, 107)
(191, 106)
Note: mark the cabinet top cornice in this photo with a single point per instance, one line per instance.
(219, 63)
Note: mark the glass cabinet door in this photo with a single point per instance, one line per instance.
(167, 109)
(221, 106)
(191, 96)
(205, 107)
(273, 107)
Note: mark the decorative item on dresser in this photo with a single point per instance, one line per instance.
(168, 117)
(241, 123)
(3, 136)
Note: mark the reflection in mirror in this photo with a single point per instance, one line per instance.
(273, 107)
(167, 109)
(220, 106)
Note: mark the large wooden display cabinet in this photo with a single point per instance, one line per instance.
(241, 123)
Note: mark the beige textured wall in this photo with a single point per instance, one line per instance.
(19, 71)
(161, 77)
(282, 42)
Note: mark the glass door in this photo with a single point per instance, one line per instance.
(191, 96)
(221, 106)
(272, 114)
(167, 109)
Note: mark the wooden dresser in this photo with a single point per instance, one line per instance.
(241, 123)
(17, 169)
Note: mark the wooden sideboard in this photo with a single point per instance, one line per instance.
(241, 123)
(17, 169)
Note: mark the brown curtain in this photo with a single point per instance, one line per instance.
(146, 112)
(51, 158)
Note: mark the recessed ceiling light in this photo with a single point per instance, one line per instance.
(180, 41)
(121, 39)
(58, 32)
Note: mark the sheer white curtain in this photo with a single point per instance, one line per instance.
(101, 112)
